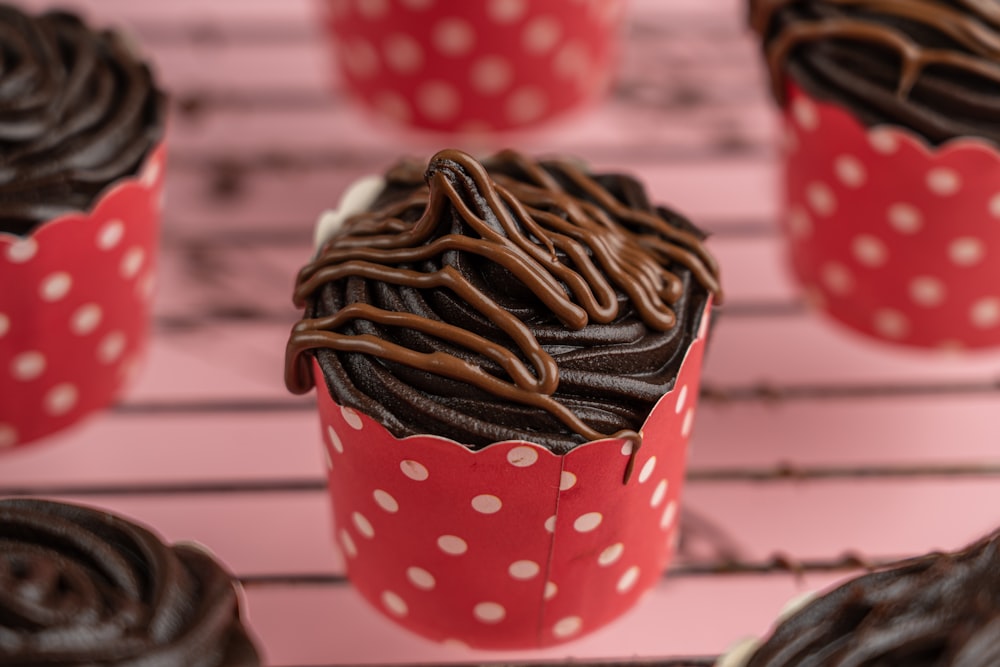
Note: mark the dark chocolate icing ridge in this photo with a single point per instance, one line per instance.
(511, 299)
(939, 610)
(932, 66)
(78, 111)
(83, 587)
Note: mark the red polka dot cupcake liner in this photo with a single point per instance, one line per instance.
(892, 237)
(474, 67)
(511, 546)
(75, 308)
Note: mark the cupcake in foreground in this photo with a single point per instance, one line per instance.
(892, 162)
(939, 610)
(81, 134)
(79, 586)
(507, 356)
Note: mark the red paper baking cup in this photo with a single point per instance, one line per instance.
(896, 239)
(511, 546)
(75, 307)
(478, 66)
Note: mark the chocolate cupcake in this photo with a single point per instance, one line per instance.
(489, 338)
(892, 159)
(81, 165)
(938, 610)
(79, 586)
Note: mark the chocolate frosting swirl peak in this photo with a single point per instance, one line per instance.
(81, 587)
(78, 111)
(475, 294)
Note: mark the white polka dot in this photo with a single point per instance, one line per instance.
(995, 206)
(360, 58)
(489, 612)
(453, 37)
(21, 251)
(805, 114)
(352, 417)
(61, 399)
(393, 105)
(550, 590)
(567, 480)
(523, 456)
(526, 105)
(628, 579)
(927, 291)
(363, 525)
(688, 423)
(347, 542)
(567, 627)
(386, 501)
(491, 75)
(550, 524)
(647, 469)
(506, 11)
(487, 504)
(56, 286)
(524, 569)
(669, 513)
(395, 604)
(943, 181)
(883, 141)
(4, 325)
(132, 261)
(403, 54)
(111, 347)
(111, 234)
(891, 324)
(450, 544)
(151, 174)
(335, 440)
(966, 251)
(905, 218)
(681, 399)
(86, 319)
(413, 470)
(986, 313)
(611, 554)
(627, 448)
(438, 100)
(572, 62)
(588, 522)
(373, 9)
(8, 436)
(421, 578)
(541, 34)
(850, 171)
(146, 286)
(821, 199)
(869, 250)
(837, 278)
(659, 493)
(28, 366)
(799, 223)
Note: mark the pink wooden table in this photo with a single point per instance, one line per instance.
(813, 450)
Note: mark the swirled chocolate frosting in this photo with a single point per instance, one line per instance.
(939, 610)
(78, 111)
(508, 299)
(82, 587)
(929, 65)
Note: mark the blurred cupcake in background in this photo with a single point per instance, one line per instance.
(892, 162)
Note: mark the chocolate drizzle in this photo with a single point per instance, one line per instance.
(78, 111)
(505, 300)
(939, 610)
(930, 65)
(81, 587)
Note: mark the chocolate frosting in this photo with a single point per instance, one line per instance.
(509, 299)
(82, 587)
(78, 111)
(939, 610)
(930, 65)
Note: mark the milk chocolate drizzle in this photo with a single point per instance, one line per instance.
(951, 47)
(577, 255)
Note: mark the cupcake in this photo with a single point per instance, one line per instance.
(81, 148)
(938, 610)
(79, 586)
(507, 356)
(892, 162)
